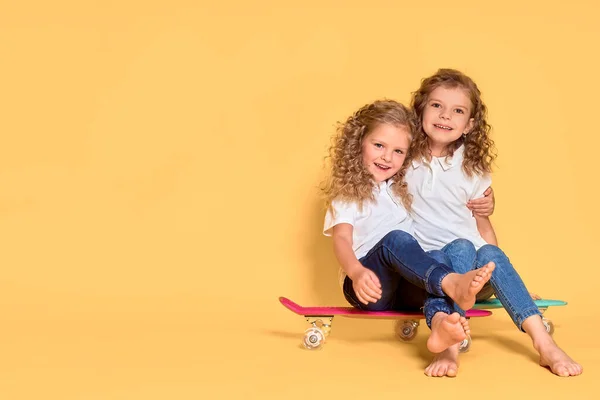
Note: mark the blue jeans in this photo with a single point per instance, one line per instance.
(410, 279)
(460, 255)
(505, 281)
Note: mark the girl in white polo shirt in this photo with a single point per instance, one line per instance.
(451, 165)
(383, 266)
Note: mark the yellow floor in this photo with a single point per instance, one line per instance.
(159, 173)
(176, 353)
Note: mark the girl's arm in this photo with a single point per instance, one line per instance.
(486, 230)
(364, 281)
(342, 247)
(484, 206)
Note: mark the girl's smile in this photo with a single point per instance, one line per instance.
(444, 127)
(384, 150)
(446, 117)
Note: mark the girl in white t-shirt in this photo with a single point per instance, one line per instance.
(383, 266)
(451, 162)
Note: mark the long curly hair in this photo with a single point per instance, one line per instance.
(349, 179)
(479, 150)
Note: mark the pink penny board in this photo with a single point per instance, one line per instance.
(355, 312)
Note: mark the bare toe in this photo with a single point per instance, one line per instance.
(552, 357)
(444, 364)
(453, 318)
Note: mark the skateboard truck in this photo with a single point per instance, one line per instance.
(315, 336)
(549, 325)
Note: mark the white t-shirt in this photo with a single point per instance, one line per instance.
(375, 220)
(440, 192)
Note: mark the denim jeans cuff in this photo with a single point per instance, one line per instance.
(433, 279)
(524, 315)
(433, 308)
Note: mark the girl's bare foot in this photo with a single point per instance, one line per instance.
(558, 361)
(447, 330)
(462, 288)
(444, 363)
(551, 356)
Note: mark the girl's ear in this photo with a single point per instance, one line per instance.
(469, 126)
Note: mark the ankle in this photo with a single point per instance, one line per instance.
(536, 330)
(448, 282)
(543, 342)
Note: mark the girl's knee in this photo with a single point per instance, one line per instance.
(440, 257)
(399, 237)
(489, 252)
(461, 247)
(490, 249)
(462, 244)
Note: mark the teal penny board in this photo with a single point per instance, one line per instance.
(542, 304)
(495, 303)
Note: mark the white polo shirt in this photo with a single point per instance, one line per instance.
(375, 220)
(440, 193)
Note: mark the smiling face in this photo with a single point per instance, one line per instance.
(384, 150)
(446, 117)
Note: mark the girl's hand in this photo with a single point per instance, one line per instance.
(366, 286)
(483, 207)
(534, 296)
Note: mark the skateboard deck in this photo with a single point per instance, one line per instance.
(356, 313)
(495, 303)
(321, 319)
(542, 304)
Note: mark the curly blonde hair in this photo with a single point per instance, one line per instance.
(479, 147)
(349, 179)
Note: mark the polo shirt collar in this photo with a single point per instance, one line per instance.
(385, 184)
(445, 162)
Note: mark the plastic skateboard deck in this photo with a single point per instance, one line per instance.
(356, 313)
(321, 318)
(542, 304)
(495, 303)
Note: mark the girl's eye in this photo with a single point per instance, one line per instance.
(459, 111)
(436, 105)
(378, 145)
(399, 151)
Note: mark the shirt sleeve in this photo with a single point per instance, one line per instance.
(339, 213)
(480, 185)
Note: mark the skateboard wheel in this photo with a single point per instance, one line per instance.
(406, 330)
(326, 329)
(465, 345)
(549, 325)
(313, 338)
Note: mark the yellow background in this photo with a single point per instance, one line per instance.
(159, 168)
